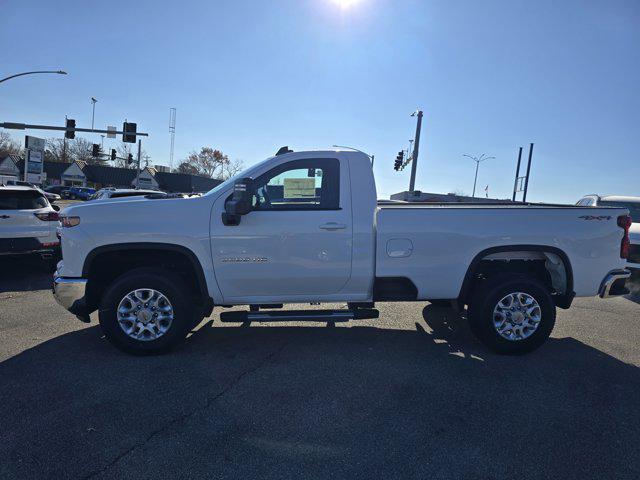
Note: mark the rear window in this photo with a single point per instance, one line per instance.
(634, 208)
(21, 200)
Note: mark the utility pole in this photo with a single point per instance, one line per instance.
(526, 181)
(139, 152)
(416, 146)
(64, 145)
(93, 113)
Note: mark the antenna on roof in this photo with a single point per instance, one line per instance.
(283, 150)
(356, 150)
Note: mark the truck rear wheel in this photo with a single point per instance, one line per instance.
(512, 314)
(146, 311)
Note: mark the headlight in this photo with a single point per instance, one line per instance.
(69, 221)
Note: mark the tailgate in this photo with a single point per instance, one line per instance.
(24, 224)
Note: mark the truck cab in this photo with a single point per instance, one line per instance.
(308, 236)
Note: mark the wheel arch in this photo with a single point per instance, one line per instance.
(127, 250)
(562, 301)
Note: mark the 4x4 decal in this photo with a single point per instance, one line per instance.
(596, 217)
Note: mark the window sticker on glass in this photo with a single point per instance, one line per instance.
(299, 188)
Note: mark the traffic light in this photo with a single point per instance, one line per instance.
(70, 132)
(130, 132)
(399, 161)
(95, 151)
(130, 159)
(113, 154)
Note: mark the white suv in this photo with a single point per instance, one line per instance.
(28, 223)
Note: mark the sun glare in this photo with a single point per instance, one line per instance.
(345, 3)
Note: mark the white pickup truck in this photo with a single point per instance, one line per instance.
(306, 227)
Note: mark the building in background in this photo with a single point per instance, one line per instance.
(82, 174)
(425, 197)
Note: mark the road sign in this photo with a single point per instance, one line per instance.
(111, 132)
(34, 159)
(33, 143)
(34, 166)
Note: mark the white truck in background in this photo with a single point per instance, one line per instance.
(633, 205)
(306, 227)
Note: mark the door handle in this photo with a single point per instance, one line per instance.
(333, 226)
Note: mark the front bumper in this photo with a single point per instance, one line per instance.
(613, 284)
(70, 293)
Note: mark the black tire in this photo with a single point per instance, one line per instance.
(486, 298)
(171, 286)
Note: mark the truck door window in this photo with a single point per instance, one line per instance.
(299, 185)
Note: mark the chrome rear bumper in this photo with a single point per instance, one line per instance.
(613, 284)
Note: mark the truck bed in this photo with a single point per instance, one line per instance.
(433, 244)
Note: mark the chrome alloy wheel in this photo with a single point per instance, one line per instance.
(145, 314)
(517, 316)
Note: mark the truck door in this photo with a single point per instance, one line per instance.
(297, 240)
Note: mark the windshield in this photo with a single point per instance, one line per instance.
(634, 208)
(248, 172)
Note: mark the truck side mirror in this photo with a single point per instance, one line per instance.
(240, 203)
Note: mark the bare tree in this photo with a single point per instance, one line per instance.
(80, 149)
(123, 150)
(8, 145)
(212, 163)
(56, 151)
(232, 168)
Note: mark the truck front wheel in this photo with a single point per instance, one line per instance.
(512, 314)
(146, 311)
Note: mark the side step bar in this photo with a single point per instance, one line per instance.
(300, 315)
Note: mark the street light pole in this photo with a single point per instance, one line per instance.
(58, 72)
(479, 159)
(93, 113)
(475, 180)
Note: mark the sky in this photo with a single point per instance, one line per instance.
(249, 76)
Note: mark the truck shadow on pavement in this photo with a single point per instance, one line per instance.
(22, 274)
(315, 402)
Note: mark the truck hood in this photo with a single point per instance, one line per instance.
(88, 206)
(144, 218)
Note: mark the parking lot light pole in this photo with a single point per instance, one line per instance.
(57, 72)
(479, 159)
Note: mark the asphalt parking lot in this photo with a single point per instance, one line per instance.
(411, 395)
